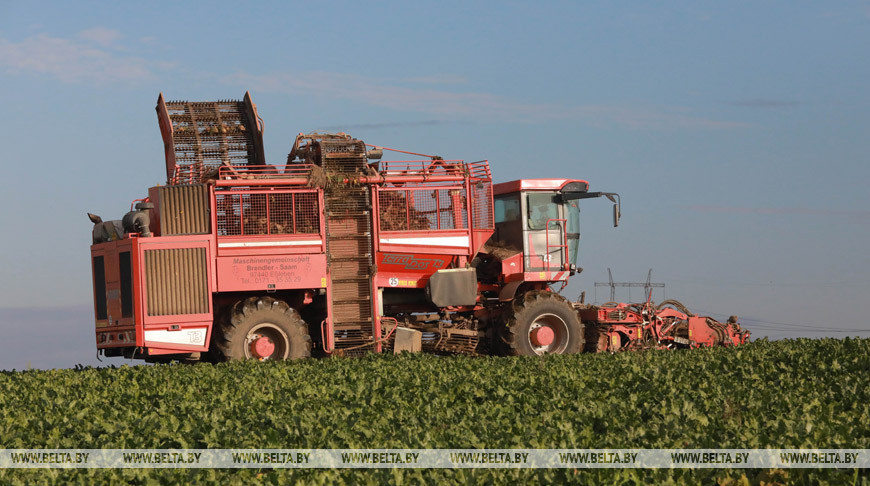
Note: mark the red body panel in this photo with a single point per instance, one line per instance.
(271, 271)
(113, 330)
(409, 270)
(139, 327)
(533, 185)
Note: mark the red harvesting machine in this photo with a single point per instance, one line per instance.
(339, 252)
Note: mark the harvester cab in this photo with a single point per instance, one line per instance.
(541, 217)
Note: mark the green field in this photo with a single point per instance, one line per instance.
(784, 394)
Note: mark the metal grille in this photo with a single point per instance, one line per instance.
(245, 212)
(422, 209)
(183, 210)
(176, 281)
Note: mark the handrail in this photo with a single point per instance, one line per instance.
(564, 227)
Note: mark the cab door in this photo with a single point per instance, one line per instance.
(544, 233)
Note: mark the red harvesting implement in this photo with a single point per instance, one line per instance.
(339, 252)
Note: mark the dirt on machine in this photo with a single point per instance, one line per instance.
(338, 251)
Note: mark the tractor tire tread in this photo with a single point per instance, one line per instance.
(526, 309)
(232, 327)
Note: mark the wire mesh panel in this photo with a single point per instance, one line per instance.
(250, 213)
(281, 214)
(393, 210)
(423, 209)
(254, 214)
(228, 210)
(481, 210)
(306, 213)
(451, 207)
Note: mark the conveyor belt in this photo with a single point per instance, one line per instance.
(199, 137)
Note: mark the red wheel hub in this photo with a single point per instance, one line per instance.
(262, 347)
(542, 336)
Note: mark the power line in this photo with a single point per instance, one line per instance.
(647, 286)
(771, 324)
(719, 283)
(801, 329)
(787, 330)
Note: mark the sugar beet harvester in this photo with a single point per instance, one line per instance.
(339, 252)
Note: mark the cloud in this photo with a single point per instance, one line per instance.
(463, 104)
(437, 79)
(765, 103)
(87, 57)
(96, 56)
(649, 117)
(358, 126)
(783, 211)
(101, 35)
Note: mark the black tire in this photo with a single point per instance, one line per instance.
(265, 321)
(540, 308)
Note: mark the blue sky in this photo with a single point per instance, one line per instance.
(736, 132)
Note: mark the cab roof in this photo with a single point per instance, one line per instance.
(539, 185)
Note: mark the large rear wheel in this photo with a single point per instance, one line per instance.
(543, 322)
(262, 328)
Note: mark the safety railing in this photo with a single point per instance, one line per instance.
(479, 170)
(561, 224)
(199, 173)
(293, 171)
(422, 167)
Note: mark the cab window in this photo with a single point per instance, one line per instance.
(507, 209)
(541, 207)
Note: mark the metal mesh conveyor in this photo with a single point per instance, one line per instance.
(199, 137)
(349, 244)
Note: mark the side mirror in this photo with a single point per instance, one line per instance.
(614, 198)
(616, 215)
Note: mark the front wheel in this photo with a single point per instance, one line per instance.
(262, 328)
(543, 323)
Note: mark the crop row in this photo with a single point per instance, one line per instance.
(784, 394)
